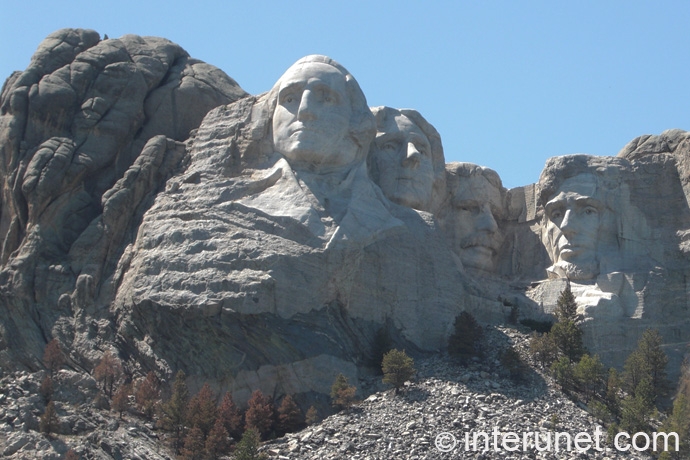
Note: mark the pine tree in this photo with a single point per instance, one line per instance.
(53, 357)
(588, 373)
(342, 393)
(290, 418)
(175, 410)
(147, 394)
(512, 364)
(312, 416)
(566, 307)
(230, 416)
(248, 447)
(465, 342)
(543, 349)
(679, 422)
(568, 339)
(120, 402)
(217, 442)
(46, 388)
(259, 415)
(397, 368)
(637, 408)
(613, 388)
(648, 362)
(49, 422)
(193, 448)
(202, 410)
(108, 371)
(562, 371)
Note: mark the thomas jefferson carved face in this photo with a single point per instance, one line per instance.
(471, 224)
(573, 221)
(311, 122)
(402, 154)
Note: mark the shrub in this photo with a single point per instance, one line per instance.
(465, 342)
(312, 416)
(513, 365)
(397, 368)
(248, 447)
(342, 393)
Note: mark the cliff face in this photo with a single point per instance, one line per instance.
(144, 210)
(89, 133)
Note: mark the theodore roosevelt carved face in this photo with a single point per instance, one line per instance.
(470, 215)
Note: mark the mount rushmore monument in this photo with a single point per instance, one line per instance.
(154, 209)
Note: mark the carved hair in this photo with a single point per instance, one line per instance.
(470, 169)
(608, 171)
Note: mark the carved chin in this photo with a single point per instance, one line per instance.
(572, 271)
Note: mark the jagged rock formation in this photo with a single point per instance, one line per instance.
(89, 132)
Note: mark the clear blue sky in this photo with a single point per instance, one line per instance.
(506, 83)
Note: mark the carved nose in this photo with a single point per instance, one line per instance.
(305, 112)
(486, 220)
(412, 156)
(568, 224)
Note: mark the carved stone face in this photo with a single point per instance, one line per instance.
(403, 157)
(572, 228)
(311, 121)
(472, 223)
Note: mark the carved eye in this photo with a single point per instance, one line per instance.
(556, 214)
(590, 211)
(390, 146)
(288, 98)
(422, 149)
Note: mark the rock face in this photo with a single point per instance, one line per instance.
(614, 228)
(89, 132)
(150, 207)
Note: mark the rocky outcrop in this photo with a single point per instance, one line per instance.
(88, 134)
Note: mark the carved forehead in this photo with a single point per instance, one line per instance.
(584, 184)
(303, 72)
(400, 126)
(475, 188)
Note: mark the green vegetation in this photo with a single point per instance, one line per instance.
(397, 368)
